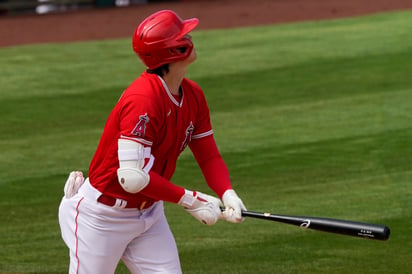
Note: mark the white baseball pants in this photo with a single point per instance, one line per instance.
(98, 236)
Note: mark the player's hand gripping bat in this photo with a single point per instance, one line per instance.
(350, 228)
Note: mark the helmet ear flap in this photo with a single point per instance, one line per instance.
(181, 50)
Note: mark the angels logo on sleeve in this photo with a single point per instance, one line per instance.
(140, 128)
(188, 138)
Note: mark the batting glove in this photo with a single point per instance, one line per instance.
(203, 207)
(233, 207)
(73, 183)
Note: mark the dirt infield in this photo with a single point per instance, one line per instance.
(93, 24)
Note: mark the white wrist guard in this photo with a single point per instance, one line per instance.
(132, 174)
(203, 207)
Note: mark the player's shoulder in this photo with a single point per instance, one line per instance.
(146, 85)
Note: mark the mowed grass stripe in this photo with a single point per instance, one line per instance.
(289, 85)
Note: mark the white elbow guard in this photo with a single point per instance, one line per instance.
(132, 174)
(132, 180)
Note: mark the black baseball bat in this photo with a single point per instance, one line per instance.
(345, 227)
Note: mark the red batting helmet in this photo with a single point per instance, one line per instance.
(160, 40)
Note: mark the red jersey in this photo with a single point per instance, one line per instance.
(147, 112)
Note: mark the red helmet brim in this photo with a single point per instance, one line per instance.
(188, 26)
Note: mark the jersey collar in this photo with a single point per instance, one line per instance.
(179, 104)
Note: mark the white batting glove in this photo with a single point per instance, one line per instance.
(203, 207)
(73, 183)
(233, 207)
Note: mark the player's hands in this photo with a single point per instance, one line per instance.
(203, 207)
(233, 207)
(73, 183)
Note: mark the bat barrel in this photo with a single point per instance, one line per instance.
(351, 228)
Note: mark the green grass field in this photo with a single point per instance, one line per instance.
(312, 119)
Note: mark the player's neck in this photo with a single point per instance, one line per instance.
(174, 79)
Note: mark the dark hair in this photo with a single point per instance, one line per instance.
(161, 71)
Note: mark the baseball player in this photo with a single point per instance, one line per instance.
(117, 212)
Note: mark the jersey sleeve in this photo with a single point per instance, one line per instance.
(138, 119)
(203, 125)
(211, 163)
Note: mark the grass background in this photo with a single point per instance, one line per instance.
(311, 118)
